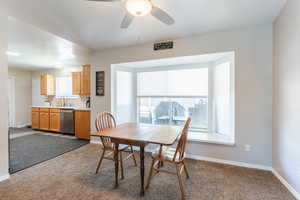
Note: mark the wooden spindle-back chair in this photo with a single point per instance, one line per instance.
(172, 155)
(106, 120)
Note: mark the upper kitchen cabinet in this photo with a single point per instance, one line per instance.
(82, 81)
(76, 83)
(47, 85)
(86, 80)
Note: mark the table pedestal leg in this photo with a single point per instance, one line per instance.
(116, 158)
(142, 166)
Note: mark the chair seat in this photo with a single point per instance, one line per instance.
(166, 154)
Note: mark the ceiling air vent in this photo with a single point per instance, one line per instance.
(163, 45)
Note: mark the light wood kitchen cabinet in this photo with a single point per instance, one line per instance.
(46, 110)
(44, 121)
(76, 82)
(86, 80)
(82, 124)
(47, 85)
(81, 81)
(47, 119)
(43, 84)
(34, 109)
(54, 124)
(35, 118)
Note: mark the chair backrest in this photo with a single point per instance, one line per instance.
(104, 121)
(181, 146)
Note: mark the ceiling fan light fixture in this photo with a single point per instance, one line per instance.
(138, 8)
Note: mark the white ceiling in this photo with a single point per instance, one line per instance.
(39, 49)
(96, 24)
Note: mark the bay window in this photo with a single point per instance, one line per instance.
(169, 95)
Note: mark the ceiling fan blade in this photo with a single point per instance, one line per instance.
(162, 15)
(104, 0)
(127, 20)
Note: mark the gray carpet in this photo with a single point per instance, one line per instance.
(33, 149)
(13, 130)
(71, 176)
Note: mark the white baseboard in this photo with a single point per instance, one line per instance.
(229, 162)
(4, 177)
(286, 184)
(22, 125)
(209, 159)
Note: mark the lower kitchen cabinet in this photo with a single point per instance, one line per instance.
(44, 121)
(82, 124)
(35, 119)
(54, 122)
(49, 119)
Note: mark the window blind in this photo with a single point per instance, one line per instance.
(185, 82)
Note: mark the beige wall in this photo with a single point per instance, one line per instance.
(286, 134)
(23, 95)
(253, 86)
(3, 98)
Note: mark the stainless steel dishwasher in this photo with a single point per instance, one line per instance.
(67, 121)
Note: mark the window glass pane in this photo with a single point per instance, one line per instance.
(169, 97)
(174, 111)
(124, 97)
(174, 104)
(188, 82)
(222, 98)
(64, 87)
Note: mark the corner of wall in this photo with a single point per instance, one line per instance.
(286, 184)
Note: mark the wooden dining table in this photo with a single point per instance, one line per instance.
(140, 135)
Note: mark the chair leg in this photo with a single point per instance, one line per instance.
(133, 156)
(180, 182)
(150, 174)
(185, 169)
(158, 166)
(122, 169)
(100, 161)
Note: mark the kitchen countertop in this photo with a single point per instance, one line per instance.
(61, 107)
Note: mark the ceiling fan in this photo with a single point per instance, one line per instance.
(140, 8)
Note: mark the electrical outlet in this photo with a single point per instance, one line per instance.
(247, 147)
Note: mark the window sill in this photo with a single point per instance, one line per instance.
(211, 138)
